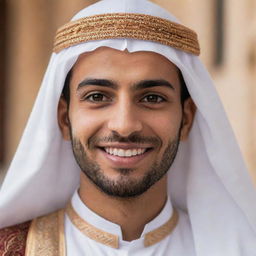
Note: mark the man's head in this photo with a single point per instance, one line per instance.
(125, 118)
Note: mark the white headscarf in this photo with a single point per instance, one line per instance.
(208, 178)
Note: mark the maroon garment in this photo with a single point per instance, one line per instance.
(13, 240)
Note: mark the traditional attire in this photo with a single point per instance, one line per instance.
(211, 210)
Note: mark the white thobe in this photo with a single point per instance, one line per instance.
(179, 242)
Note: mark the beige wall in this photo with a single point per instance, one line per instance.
(32, 24)
(236, 80)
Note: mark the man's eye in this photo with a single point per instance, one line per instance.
(97, 97)
(153, 98)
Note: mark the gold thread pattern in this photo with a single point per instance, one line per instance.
(111, 240)
(46, 236)
(90, 231)
(160, 233)
(127, 25)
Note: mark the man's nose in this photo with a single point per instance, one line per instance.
(124, 119)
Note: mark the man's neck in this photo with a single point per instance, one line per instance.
(131, 214)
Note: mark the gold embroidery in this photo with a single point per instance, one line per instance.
(127, 25)
(160, 233)
(91, 231)
(46, 236)
(111, 240)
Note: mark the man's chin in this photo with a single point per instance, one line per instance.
(122, 191)
(122, 186)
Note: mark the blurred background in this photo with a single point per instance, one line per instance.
(227, 35)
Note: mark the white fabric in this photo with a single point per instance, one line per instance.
(208, 178)
(178, 243)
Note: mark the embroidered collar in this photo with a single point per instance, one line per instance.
(110, 234)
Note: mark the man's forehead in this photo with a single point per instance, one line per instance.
(110, 66)
(102, 55)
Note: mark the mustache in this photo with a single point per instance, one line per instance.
(133, 138)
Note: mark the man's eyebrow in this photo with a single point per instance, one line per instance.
(97, 82)
(144, 84)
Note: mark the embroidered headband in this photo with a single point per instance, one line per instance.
(127, 25)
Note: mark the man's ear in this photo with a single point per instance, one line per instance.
(63, 119)
(189, 110)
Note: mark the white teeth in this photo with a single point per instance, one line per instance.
(125, 152)
(120, 152)
(128, 153)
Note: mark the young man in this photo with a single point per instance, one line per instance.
(135, 163)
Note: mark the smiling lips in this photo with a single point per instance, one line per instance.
(125, 156)
(125, 152)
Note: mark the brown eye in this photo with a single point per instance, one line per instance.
(97, 97)
(153, 98)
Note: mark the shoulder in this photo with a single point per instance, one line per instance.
(44, 228)
(13, 239)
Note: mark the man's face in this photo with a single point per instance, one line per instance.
(125, 119)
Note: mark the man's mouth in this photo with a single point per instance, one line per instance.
(124, 155)
(125, 152)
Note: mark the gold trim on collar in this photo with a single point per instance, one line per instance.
(91, 231)
(111, 240)
(163, 231)
(127, 25)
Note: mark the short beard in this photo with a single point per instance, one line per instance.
(125, 186)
